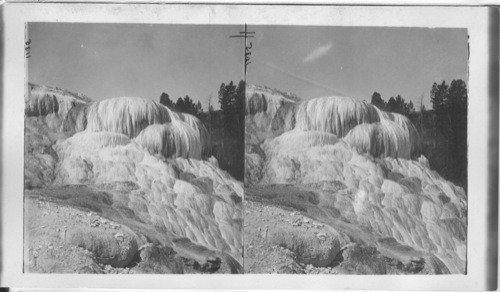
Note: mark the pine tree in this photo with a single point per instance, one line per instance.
(411, 108)
(232, 103)
(227, 101)
(188, 105)
(179, 105)
(239, 109)
(457, 111)
(165, 100)
(392, 105)
(449, 155)
(198, 109)
(210, 110)
(400, 105)
(439, 97)
(378, 101)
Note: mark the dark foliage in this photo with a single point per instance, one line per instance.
(183, 105)
(230, 153)
(443, 130)
(395, 105)
(378, 101)
(225, 126)
(448, 155)
(165, 100)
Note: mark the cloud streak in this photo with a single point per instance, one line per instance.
(303, 79)
(318, 53)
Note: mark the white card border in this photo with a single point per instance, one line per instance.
(475, 19)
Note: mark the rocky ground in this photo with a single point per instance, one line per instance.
(65, 234)
(280, 238)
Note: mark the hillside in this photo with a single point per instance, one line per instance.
(123, 185)
(334, 185)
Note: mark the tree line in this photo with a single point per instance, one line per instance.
(183, 105)
(226, 126)
(232, 104)
(396, 105)
(442, 129)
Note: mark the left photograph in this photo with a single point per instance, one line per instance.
(133, 148)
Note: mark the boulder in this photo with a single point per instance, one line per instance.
(116, 251)
(155, 259)
(319, 251)
(361, 260)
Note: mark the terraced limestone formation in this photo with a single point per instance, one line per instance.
(357, 170)
(133, 163)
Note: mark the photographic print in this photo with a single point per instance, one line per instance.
(134, 140)
(296, 146)
(356, 150)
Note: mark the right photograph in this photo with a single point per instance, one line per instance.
(356, 150)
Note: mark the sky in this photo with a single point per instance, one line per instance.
(140, 60)
(357, 61)
(144, 60)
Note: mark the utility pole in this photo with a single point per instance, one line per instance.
(421, 123)
(247, 49)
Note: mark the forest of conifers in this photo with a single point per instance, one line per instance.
(225, 126)
(442, 129)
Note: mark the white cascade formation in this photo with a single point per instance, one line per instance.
(343, 141)
(140, 142)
